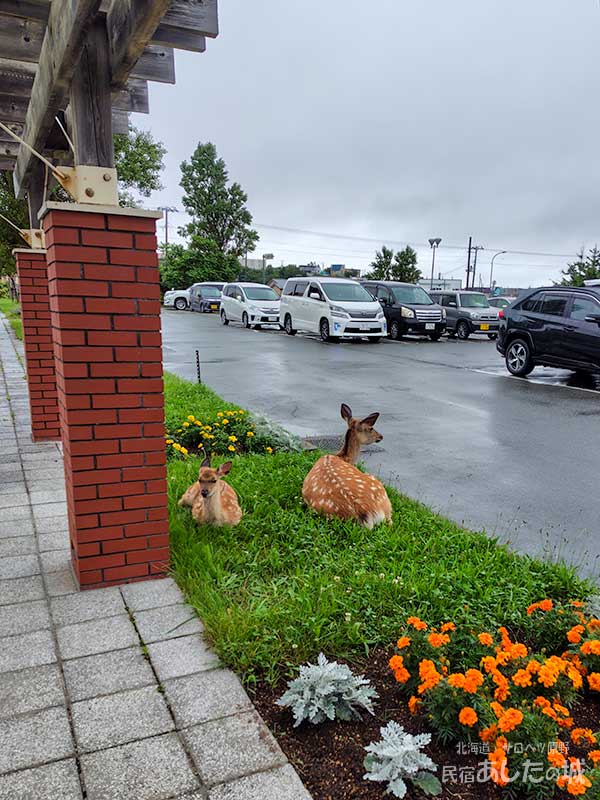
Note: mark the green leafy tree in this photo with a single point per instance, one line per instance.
(382, 266)
(16, 211)
(218, 209)
(181, 266)
(405, 266)
(586, 268)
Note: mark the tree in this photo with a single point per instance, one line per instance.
(218, 210)
(16, 211)
(181, 266)
(584, 269)
(405, 266)
(382, 265)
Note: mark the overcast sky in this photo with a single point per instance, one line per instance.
(398, 121)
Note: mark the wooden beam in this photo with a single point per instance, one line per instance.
(133, 98)
(130, 25)
(120, 121)
(200, 16)
(91, 101)
(27, 9)
(180, 39)
(157, 63)
(36, 193)
(16, 77)
(13, 109)
(20, 38)
(17, 127)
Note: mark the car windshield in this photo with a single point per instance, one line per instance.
(347, 292)
(500, 302)
(260, 293)
(474, 301)
(412, 295)
(210, 291)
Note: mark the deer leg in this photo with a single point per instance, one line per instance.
(198, 511)
(188, 499)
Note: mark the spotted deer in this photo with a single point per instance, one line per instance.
(336, 488)
(212, 500)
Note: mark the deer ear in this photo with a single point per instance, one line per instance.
(206, 462)
(225, 468)
(346, 412)
(371, 419)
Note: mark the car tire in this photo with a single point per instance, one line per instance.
(180, 304)
(492, 337)
(324, 331)
(395, 330)
(374, 339)
(287, 326)
(435, 337)
(224, 319)
(518, 358)
(258, 327)
(245, 320)
(462, 330)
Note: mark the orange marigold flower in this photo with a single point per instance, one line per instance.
(518, 650)
(473, 680)
(417, 623)
(574, 635)
(468, 716)
(591, 648)
(543, 605)
(577, 603)
(489, 663)
(550, 712)
(401, 674)
(574, 784)
(594, 756)
(502, 742)
(556, 759)
(496, 708)
(522, 678)
(403, 642)
(456, 680)
(502, 657)
(594, 624)
(429, 675)
(594, 681)
(510, 720)
(448, 626)
(575, 677)
(581, 735)
(486, 639)
(413, 704)
(498, 767)
(438, 639)
(561, 709)
(489, 734)
(565, 723)
(541, 702)
(533, 666)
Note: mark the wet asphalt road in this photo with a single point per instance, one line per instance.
(517, 458)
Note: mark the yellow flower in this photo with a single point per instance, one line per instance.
(225, 421)
(179, 430)
(233, 438)
(232, 448)
(176, 446)
(169, 441)
(269, 449)
(186, 424)
(216, 424)
(208, 428)
(198, 424)
(184, 451)
(250, 433)
(191, 417)
(219, 413)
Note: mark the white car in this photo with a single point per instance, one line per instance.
(334, 308)
(181, 298)
(252, 304)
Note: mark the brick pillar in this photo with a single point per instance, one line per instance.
(105, 318)
(37, 338)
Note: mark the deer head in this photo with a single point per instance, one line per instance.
(360, 431)
(208, 478)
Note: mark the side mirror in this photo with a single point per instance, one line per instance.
(314, 295)
(452, 304)
(383, 301)
(593, 318)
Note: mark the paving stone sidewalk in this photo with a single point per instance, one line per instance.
(105, 694)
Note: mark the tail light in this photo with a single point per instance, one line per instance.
(501, 314)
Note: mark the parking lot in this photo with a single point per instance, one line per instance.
(516, 457)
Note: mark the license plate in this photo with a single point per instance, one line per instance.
(484, 327)
(213, 307)
(365, 326)
(272, 319)
(429, 326)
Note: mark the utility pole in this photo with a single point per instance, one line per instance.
(477, 249)
(167, 209)
(469, 261)
(434, 243)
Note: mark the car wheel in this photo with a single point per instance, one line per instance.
(435, 337)
(245, 320)
(518, 358)
(258, 327)
(224, 319)
(395, 330)
(180, 304)
(462, 330)
(492, 337)
(374, 339)
(288, 327)
(324, 330)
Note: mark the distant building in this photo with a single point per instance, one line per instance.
(440, 283)
(308, 269)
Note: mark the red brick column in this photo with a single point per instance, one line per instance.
(37, 338)
(105, 317)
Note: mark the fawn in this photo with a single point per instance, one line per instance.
(212, 500)
(336, 488)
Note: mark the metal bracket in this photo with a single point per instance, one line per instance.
(92, 185)
(34, 237)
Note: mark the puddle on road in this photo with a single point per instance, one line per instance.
(549, 377)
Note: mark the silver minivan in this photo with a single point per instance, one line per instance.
(467, 312)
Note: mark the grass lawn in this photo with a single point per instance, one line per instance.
(286, 583)
(13, 313)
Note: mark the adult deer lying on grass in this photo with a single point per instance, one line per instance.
(336, 488)
(212, 500)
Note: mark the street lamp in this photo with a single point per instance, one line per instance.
(435, 243)
(499, 253)
(266, 257)
(167, 209)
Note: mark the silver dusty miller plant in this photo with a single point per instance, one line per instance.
(398, 758)
(327, 690)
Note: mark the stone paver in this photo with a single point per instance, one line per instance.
(30, 689)
(153, 769)
(19, 566)
(24, 617)
(58, 540)
(184, 656)
(159, 624)
(206, 696)
(151, 594)
(233, 747)
(27, 650)
(107, 673)
(85, 606)
(96, 636)
(20, 590)
(32, 739)
(279, 784)
(59, 781)
(61, 583)
(17, 546)
(55, 560)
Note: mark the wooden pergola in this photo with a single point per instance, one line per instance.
(85, 63)
(70, 73)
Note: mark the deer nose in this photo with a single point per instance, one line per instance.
(380, 437)
(204, 492)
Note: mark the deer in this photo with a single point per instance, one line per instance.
(212, 500)
(334, 487)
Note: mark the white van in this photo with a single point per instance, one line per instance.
(334, 308)
(252, 304)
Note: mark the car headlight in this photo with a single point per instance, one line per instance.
(474, 315)
(407, 312)
(443, 313)
(338, 311)
(380, 315)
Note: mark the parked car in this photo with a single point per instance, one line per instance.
(205, 297)
(467, 312)
(501, 302)
(408, 309)
(334, 308)
(553, 327)
(180, 298)
(252, 304)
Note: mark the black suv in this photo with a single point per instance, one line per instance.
(554, 327)
(408, 309)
